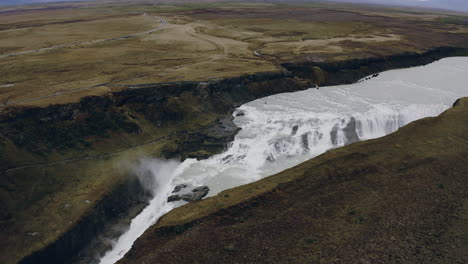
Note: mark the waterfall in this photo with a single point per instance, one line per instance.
(156, 176)
(283, 130)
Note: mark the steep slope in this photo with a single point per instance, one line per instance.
(397, 199)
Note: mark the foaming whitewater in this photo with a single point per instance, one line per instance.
(284, 130)
(155, 175)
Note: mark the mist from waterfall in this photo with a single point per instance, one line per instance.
(156, 176)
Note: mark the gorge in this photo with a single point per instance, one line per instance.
(283, 130)
(259, 131)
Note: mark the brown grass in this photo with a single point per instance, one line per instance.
(202, 41)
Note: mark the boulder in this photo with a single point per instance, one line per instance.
(350, 132)
(173, 198)
(305, 141)
(195, 195)
(294, 130)
(200, 192)
(179, 187)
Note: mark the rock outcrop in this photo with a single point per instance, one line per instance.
(351, 71)
(349, 132)
(196, 194)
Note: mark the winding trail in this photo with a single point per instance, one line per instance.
(161, 20)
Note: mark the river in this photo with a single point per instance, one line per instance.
(283, 130)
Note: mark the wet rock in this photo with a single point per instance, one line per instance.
(179, 187)
(309, 139)
(227, 158)
(173, 198)
(305, 141)
(195, 195)
(187, 197)
(351, 131)
(294, 130)
(240, 113)
(199, 193)
(241, 157)
(457, 102)
(224, 128)
(270, 158)
(334, 135)
(206, 142)
(282, 145)
(201, 189)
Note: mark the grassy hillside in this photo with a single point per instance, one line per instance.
(397, 199)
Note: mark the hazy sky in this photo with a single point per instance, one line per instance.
(11, 2)
(460, 5)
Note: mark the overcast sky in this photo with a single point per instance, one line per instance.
(12, 2)
(459, 5)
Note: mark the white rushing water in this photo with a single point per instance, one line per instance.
(284, 130)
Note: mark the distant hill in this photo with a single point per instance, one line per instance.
(22, 2)
(457, 5)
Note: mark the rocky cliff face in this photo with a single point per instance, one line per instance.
(115, 205)
(181, 119)
(163, 106)
(351, 71)
(79, 125)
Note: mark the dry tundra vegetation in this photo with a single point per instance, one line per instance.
(204, 40)
(201, 41)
